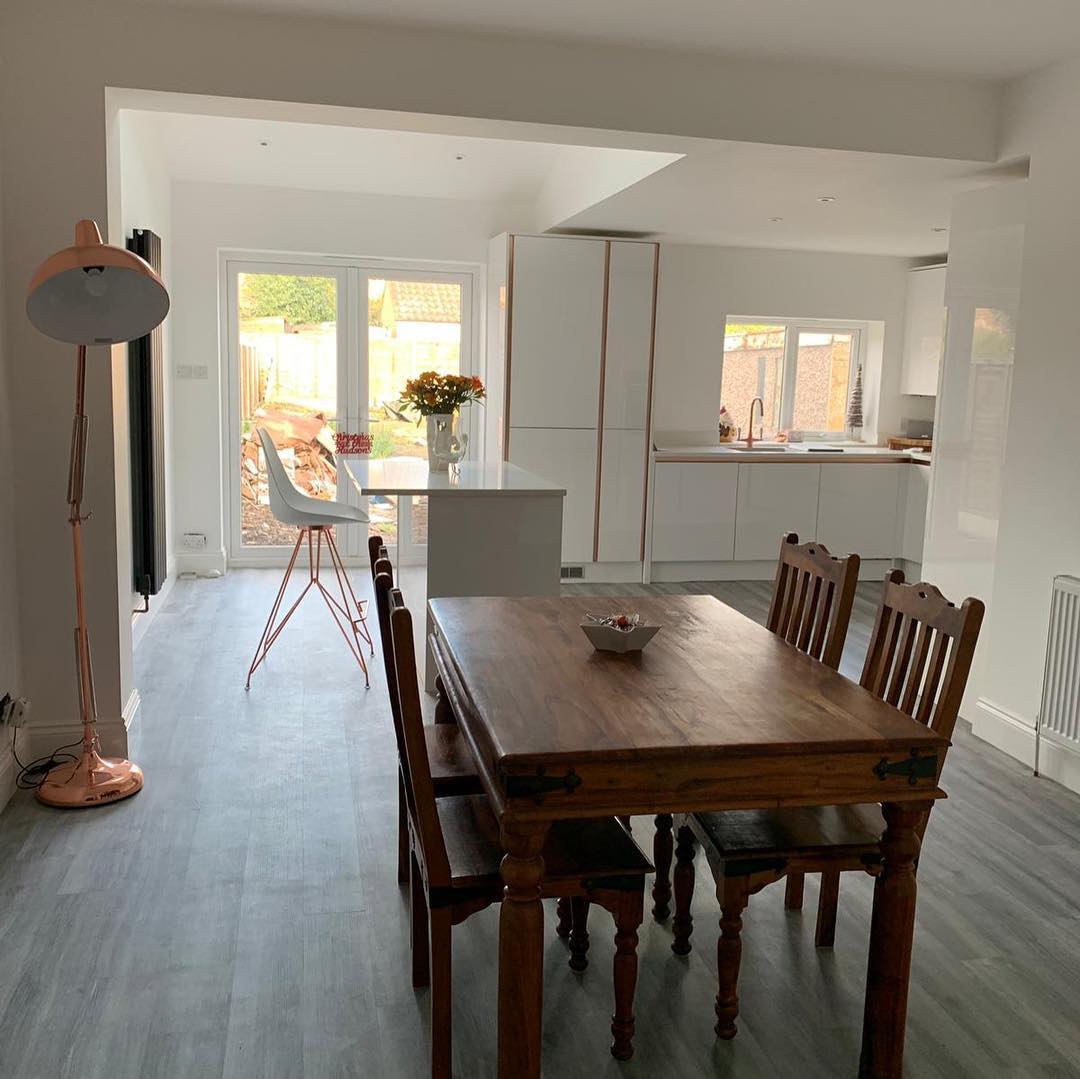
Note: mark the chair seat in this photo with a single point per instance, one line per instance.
(788, 833)
(452, 767)
(576, 850)
(313, 514)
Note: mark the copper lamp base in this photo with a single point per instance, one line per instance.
(92, 780)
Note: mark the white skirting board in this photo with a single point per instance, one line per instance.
(204, 563)
(8, 771)
(141, 620)
(1015, 735)
(42, 739)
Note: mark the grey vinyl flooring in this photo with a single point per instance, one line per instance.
(240, 917)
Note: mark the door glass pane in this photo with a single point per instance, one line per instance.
(753, 367)
(413, 327)
(288, 356)
(822, 372)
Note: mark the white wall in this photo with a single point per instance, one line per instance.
(58, 56)
(1039, 533)
(986, 243)
(211, 217)
(9, 594)
(139, 182)
(700, 286)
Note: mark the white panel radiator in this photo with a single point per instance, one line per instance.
(1059, 713)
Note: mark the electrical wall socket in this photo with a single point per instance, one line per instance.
(14, 711)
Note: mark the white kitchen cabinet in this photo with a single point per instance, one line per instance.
(858, 506)
(924, 331)
(914, 498)
(693, 511)
(774, 499)
(628, 344)
(622, 489)
(556, 330)
(567, 458)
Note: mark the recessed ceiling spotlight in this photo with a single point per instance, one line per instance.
(264, 142)
(459, 157)
(826, 198)
(939, 228)
(774, 220)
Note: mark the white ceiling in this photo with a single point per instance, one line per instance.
(983, 38)
(435, 165)
(726, 193)
(684, 191)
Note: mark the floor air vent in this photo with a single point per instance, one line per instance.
(571, 572)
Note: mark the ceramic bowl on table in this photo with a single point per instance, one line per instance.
(605, 638)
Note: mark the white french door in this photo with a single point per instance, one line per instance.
(317, 347)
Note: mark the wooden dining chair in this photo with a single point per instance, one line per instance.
(918, 661)
(813, 594)
(450, 762)
(811, 608)
(455, 869)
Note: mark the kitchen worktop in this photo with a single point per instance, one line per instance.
(793, 452)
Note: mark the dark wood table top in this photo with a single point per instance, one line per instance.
(713, 692)
(711, 679)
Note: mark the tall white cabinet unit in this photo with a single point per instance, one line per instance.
(924, 331)
(579, 318)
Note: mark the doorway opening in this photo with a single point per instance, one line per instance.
(323, 347)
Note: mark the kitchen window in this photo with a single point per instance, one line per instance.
(803, 371)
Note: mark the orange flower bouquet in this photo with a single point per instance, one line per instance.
(432, 394)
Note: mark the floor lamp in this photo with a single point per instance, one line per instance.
(91, 294)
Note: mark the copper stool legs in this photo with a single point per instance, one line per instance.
(353, 626)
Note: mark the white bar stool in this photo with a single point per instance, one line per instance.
(315, 517)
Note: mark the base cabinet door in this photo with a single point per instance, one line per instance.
(693, 513)
(622, 494)
(566, 457)
(773, 500)
(857, 509)
(916, 494)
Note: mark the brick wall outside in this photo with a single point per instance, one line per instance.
(753, 367)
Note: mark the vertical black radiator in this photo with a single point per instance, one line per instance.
(146, 420)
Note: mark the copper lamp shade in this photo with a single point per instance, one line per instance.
(95, 294)
(91, 294)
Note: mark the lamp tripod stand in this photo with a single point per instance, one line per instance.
(92, 779)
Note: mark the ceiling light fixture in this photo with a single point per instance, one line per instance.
(264, 142)
(774, 220)
(826, 198)
(459, 157)
(939, 228)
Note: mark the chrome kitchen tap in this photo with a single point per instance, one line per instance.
(750, 430)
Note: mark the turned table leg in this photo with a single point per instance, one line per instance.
(892, 925)
(734, 894)
(444, 713)
(521, 953)
(662, 847)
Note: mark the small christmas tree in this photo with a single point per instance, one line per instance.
(854, 408)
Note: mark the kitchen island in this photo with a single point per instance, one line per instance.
(493, 528)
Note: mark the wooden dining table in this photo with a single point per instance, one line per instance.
(716, 713)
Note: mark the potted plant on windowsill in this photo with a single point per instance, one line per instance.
(438, 399)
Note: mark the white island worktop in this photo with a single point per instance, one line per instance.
(411, 476)
(493, 528)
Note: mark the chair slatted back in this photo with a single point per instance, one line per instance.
(376, 549)
(921, 651)
(419, 790)
(384, 583)
(812, 599)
